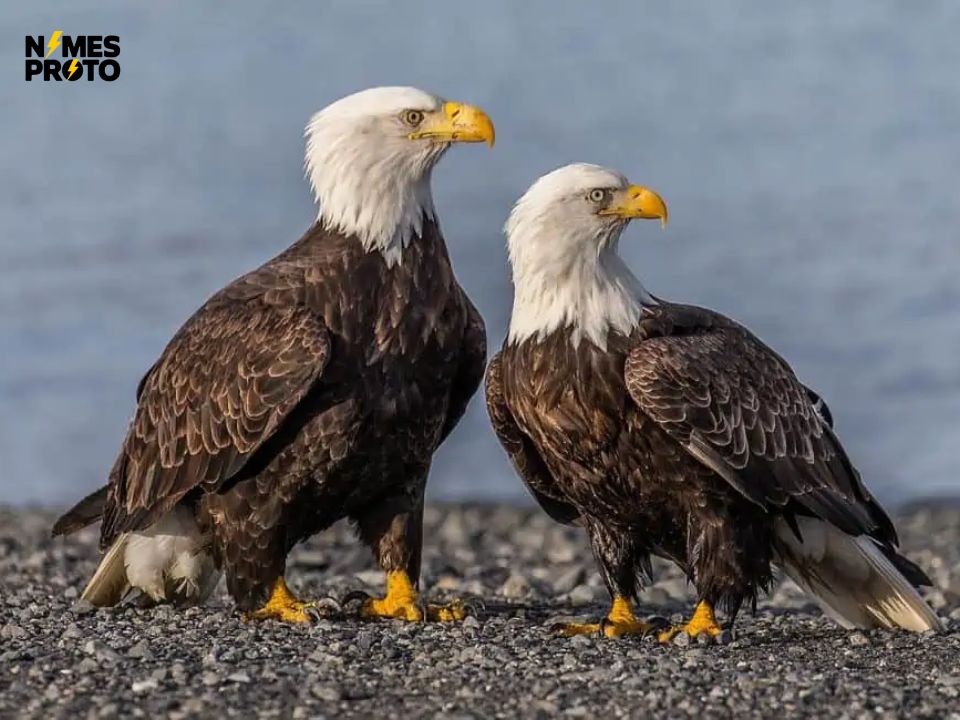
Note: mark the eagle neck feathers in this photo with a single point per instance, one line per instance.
(592, 296)
(382, 198)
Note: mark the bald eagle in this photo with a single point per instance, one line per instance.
(314, 388)
(671, 430)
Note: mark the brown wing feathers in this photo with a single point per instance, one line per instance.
(221, 388)
(739, 409)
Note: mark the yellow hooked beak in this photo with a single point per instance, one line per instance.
(456, 122)
(637, 201)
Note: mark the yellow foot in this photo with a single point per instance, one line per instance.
(403, 603)
(283, 605)
(703, 622)
(619, 622)
(610, 629)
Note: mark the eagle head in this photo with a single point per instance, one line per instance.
(370, 155)
(562, 237)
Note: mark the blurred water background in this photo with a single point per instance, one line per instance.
(809, 152)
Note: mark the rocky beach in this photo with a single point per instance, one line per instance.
(59, 657)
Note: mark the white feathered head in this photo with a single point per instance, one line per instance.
(369, 158)
(562, 236)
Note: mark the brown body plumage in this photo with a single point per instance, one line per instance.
(314, 388)
(686, 439)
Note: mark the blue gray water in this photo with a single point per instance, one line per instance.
(809, 152)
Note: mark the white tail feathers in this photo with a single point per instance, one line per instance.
(109, 583)
(851, 578)
(169, 561)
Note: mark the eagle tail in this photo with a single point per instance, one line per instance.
(86, 512)
(858, 582)
(109, 583)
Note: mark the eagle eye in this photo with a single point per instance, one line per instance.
(412, 117)
(598, 195)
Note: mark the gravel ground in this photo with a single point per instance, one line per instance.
(61, 658)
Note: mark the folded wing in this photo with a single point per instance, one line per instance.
(222, 387)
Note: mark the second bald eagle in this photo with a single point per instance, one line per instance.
(672, 430)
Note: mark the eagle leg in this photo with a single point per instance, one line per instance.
(393, 528)
(402, 602)
(283, 605)
(703, 622)
(620, 621)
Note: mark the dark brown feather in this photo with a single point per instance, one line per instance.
(204, 402)
(524, 456)
(685, 439)
(314, 388)
(738, 408)
(85, 512)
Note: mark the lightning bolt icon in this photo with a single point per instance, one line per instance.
(54, 42)
(73, 68)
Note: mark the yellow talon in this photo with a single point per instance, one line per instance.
(283, 605)
(402, 603)
(702, 622)
(451, 612)
(620, 621)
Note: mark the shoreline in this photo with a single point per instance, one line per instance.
(59, 658)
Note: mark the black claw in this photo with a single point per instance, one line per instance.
(473, 606)
(603, 625)
(352, 597)
(421, 603)
(658, 623)
(324, 608)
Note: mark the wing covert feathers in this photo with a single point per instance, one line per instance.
(221, 388)
(737, 407)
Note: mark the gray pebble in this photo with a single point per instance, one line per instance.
(140, 651)
(364, 641)
(787, 661)
(144, 686)
(584, 595)
(13, 632)
(858, 639)
(210, 679)
(72, 632)
(327, 693)
(82, 607)
(515, 586)
(569, 579)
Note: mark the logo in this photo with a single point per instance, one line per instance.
(72, 57)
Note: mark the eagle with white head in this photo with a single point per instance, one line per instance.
(671, 430)
(314, 388)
